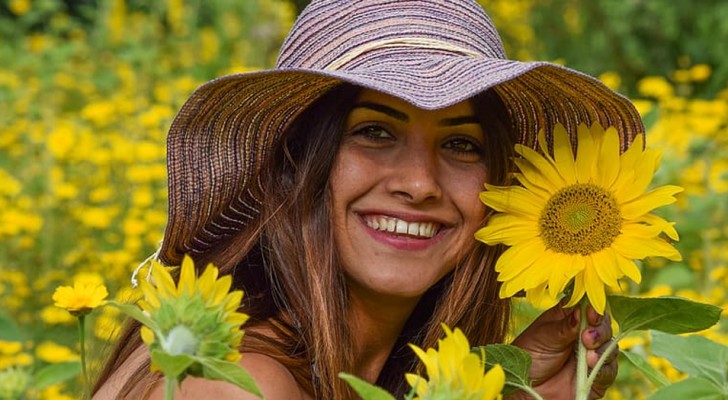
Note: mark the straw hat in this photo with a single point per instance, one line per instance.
(431, 53)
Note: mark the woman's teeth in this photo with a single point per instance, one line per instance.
(395, 225)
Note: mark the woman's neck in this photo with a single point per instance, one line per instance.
(376, 323)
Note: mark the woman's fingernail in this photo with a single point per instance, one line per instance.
(573, 319)
(595, 335)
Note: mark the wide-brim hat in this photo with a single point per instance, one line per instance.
(430, 53)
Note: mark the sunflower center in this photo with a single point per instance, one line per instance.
(580, 219)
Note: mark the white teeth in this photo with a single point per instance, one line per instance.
(395, 225)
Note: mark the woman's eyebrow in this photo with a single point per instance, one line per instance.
(468, 119)
(396, 114)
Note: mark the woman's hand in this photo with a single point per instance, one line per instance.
(551, 341)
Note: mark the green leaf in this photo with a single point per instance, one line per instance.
(136, 313)
(690, 388)
(56, 373)
(9, 330)
(515, 363)
(229, 372)
(656, 377)
(694, 355)
(666, 314)
(172, 366)
(364, 389)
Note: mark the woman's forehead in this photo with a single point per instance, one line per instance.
(372, 96)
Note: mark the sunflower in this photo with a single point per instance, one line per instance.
(197, 316)
(454, 372)
(582, 218)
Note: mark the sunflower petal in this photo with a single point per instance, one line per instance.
(655, 198)
(514, 199)
(585, 155)
(608, 169)
(594, 288)
(507, 229)
(563, 154)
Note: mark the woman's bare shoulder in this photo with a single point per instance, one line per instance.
(273, 379)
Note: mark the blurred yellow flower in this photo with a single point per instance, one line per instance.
(611, 79)
(80, 298)
(52, 352)
(19, 7)
(655, 86)
(454, 372)
(583, 217)
(700, 72)
(52, 315)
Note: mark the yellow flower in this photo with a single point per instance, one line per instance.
(584, 218)
(198, 316)
(81, 298)
(454, 372)
(54, 353)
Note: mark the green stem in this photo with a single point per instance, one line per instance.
(582, 387)
(602, 359)
(169, 384)
(530, 391)
(82, 339)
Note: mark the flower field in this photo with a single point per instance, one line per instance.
(88, 90)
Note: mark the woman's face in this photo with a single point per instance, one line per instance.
(405, 187)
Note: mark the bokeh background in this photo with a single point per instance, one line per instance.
(89, 87)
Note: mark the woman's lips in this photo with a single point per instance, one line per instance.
(416, 229)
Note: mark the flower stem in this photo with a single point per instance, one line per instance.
(602, 359)
(82, 339)
(169, 384)
(531, 392)
(582, 385)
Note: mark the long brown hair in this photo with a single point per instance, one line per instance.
(288, 267)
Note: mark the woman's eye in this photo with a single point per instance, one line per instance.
(373, 132)
(461, 145)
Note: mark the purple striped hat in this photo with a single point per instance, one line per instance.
(431, 53)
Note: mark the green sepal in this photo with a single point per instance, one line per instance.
(364, 389)
(172, 366)
(229, 372)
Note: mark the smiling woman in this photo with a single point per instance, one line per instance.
(340, 191)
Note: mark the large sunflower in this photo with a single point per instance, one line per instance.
(585, 218)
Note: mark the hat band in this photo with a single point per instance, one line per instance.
(414, 42)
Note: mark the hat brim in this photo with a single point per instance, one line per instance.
(224, 132)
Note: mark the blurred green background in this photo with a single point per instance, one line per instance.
(89, 87)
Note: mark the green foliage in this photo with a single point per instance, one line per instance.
(515, 362)
(667, 314)
(365, 389)
(636, 38)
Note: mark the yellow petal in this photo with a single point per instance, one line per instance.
(655, 198)
(163, 281)
(513, 199)
(206, 282)
(495, 380)
(578, 292)
(532, 179)
(517, 258)
(660, 223)
(507, 229)
(543, 165)
(563, 154)
(609, 158)
(629, 268)
(637, 248)
(567, 267)
(187, 276)
(586, 154)
(540, 297)
(606, 267)
(594, 288)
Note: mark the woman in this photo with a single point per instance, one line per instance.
(340, 191)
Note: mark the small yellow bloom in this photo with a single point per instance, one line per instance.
(81, 298)
(454, 372)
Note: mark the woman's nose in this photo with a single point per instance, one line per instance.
(414, 177)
